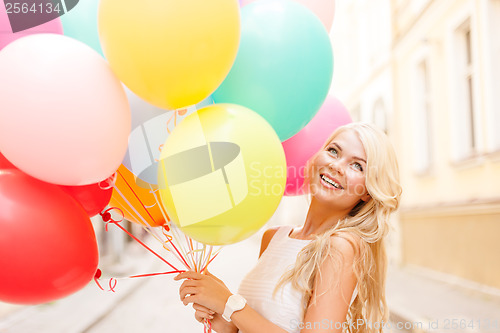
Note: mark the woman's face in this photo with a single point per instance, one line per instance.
(338, 172)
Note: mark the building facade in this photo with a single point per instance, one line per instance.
(427, 72)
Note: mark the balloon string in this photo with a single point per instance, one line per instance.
(165, 216)
(114, 281)
(106, 216)
(181, 256)
(207, 326)
(155, 274)
(162, 209)
(150, 231)
(112, 284)
(169, 240)
(108, 183)
(143, 220)
(97, 275)
(208, 263)
(130, 206)
(187, 251)
(137, 197)
(203, 265)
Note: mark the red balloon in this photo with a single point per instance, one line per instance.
(5, 164)
(48, 248)
(94, 197)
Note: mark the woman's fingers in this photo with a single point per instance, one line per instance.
(207, 273)
(202, 312)
(189, 275)
(188, 287)
(189, 283)
(190, 299)
(202, 308)
(201, 316)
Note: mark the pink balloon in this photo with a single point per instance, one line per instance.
(300, 147)
(324, 9)
(7, 36)
(64, 116)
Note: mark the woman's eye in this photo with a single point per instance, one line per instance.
(332, 151)
(358, 166)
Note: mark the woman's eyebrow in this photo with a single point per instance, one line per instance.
(355, 157)
(359, 158)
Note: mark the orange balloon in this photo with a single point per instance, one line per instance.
(138, 203)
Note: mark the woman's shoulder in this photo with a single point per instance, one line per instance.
(346, 243)
(266, 238)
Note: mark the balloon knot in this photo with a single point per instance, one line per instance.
(97, 275)
(106, 217)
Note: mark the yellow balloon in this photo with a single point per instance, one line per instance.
(171, 53)
(222, 173)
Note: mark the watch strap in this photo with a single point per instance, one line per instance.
(230, 307)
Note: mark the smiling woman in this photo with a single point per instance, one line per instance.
(332, 268)
(337, 174)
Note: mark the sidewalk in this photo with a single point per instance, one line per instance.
(421, 302)
(145, 305)
(417, 302)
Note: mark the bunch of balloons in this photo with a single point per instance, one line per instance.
(64, 125)
(168, 111)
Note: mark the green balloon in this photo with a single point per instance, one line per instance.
(81, 23)
(284, 65)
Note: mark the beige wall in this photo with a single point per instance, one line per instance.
(450, 216)
(447, 180)
(459, 240)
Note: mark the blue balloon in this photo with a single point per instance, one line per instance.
(81, 24)
(284, 65)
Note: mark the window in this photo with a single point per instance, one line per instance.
(379, 115)
(465, 123)
(422, 119)
(493, 72)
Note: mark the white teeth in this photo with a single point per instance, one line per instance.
(331, 182)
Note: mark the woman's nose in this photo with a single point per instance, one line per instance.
(336, 166)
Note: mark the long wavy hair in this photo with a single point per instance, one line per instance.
(368, 222)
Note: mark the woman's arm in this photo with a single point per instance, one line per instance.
(218, 323)
(211, 293)
(333, 290)
(329, 304)
(266, 238)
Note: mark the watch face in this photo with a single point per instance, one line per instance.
(237, 302)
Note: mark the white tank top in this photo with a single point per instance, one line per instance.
(285, 308)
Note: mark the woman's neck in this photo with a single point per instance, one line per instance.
(319, 219)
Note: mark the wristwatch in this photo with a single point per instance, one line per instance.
(234, 303)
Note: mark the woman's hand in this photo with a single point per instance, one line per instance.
(203, 289)
(217, 323)
(201, 313)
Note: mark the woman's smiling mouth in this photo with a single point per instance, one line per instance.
(330, 182)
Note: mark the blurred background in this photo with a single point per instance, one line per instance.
(426, 72)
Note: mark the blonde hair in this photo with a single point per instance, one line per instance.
(368, 222)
